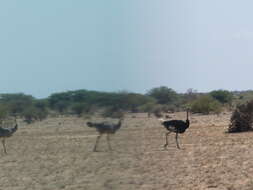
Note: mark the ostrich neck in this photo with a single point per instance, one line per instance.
(119, 123)
(187, 122)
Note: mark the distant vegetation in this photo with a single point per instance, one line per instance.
(223, 96)
(112, 104)
(206, 104)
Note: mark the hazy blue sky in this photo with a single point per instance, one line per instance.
(110, 45)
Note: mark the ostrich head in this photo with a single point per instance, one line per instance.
(161, 120)
(89, 124)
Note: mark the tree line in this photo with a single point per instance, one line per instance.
(111, 104)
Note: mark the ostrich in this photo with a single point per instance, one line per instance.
(176, 126)
(6, 133)
(105, 128)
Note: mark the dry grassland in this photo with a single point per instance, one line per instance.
(49, 156)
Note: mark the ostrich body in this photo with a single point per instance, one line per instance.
(104, 128)
(6, 133)
(176, 126)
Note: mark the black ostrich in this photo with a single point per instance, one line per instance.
(6, 133)
(176, 126)
(105, 128)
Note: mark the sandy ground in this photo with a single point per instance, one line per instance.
(51, 156)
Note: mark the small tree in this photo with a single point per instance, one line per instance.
(242, 118)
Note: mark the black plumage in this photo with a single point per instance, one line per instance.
(176, 126)
(105, 128)
(6, 133)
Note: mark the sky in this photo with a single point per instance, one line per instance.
(113, 45)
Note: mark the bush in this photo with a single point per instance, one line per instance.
(133, 101)
(206, 104)
(148, 107)
(242, 118)
(223, 96)
(32, 114)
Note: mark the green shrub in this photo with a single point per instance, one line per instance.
(206, 104)
(223, 96)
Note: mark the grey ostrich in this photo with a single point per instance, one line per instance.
(105, 128)
(176, 126)
(6, 133)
